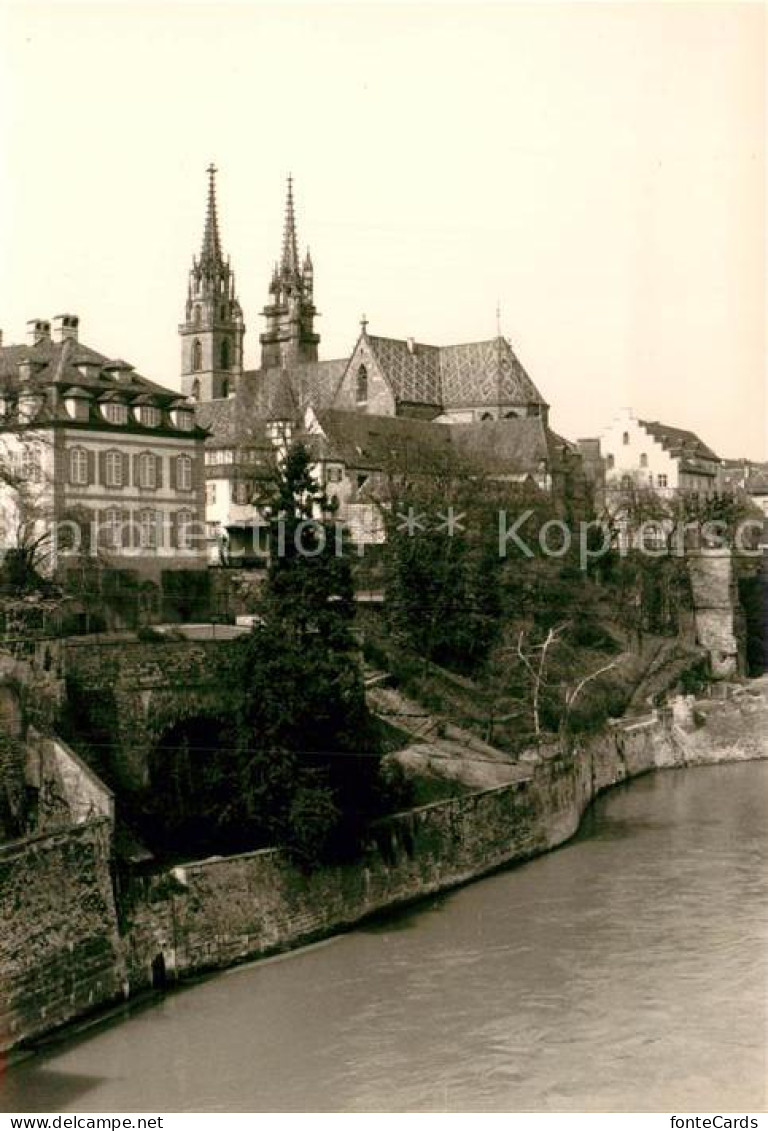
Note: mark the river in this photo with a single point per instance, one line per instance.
(626, 971)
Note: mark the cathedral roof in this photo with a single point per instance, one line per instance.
(271, 394)
(411, 369)
(470, 373)
(485, 373)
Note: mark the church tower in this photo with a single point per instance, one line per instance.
(289, 337)
(212, 334)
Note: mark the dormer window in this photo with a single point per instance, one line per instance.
(361, 394)
(148, 415)
(183, 418)
(114, 412)
(77, 404)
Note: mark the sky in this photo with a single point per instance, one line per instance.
(595, 171)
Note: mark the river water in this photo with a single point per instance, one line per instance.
(627, 971)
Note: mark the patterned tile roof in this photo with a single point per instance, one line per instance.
(471, 373)
(479, 373)
(412, 369)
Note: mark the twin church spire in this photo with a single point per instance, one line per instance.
(212, 333)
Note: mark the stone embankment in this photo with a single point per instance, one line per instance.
(63, 954)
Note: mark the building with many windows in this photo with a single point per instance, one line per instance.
(95, 458)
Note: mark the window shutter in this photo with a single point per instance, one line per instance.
(91, 467)
(198, 467)
(135, 471)
(103, 468)
(159, 524)
(126, 470)
(159, 472)
(173, 469)
(174, 531)
(70, 476)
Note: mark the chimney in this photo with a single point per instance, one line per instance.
(411, 345)
(65, 326)
(38, 330)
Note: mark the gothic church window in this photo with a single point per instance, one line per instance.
(362, 385)
(198, 315)
(225, 354)
(197, 355)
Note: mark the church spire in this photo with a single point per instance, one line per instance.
(210, 254)
(212, 330)
(289, 337)
(290, 259)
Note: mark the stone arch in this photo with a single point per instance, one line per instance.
(186, 764)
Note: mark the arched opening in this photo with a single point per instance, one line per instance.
(197, 355)
(224, 354)
(159, 973)
(361, 394)
(487, 416)
(190, 781)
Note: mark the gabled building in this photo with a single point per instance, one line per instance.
(662, 457)
(106, 461)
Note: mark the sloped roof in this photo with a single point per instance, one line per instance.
(485, 373)
(367, 441)
(470, 373)
(678, 441)
(518, 446)
(54, 363)
(412, 370)
(55, 376)
(270, 394)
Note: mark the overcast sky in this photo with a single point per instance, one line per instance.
(598, 170)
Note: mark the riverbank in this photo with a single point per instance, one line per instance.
(215, 913)
(211, 914)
